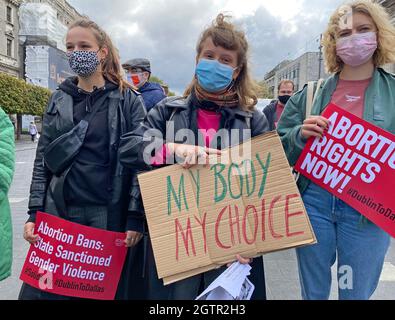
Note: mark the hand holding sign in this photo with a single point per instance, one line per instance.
(28, 233)
(192, 155)
(314, 126)
(241, 260)
(239, 208)
(132, 238)
(355, 161)
(73, 260)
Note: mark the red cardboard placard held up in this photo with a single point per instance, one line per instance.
(74, 260)
(355, 161)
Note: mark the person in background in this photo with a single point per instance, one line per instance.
(33, 131)
(7, 163)
(275, 109)
(358, 41)
(138, 73)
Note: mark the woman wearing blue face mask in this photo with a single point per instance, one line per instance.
(85, 182)
(221, 97)
(360, 38)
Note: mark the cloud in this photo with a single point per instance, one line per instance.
(273, 39)
(166, 31)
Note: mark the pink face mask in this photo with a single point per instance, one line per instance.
(357, 49)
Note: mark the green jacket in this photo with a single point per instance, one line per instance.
(7, 158)
(379, 110)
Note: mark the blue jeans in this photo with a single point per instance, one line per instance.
(360, 249)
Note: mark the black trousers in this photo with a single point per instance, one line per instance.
(140, 276)
(147, 286)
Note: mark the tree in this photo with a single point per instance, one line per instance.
(163, 84)
(12, 94)
(18, 97)
(156, 80)
(263, 90)
(36, 100)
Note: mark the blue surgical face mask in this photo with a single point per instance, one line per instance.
(214, 76)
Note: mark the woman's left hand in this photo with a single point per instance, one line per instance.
(242, 260)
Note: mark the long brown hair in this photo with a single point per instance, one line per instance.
(225, 34)
(111, 66)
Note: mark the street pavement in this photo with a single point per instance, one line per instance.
(281, 267)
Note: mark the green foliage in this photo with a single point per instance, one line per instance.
(263, 91)
(36, 100)
(162, 83)
(12, 94)
(156, 80)
(18, 97)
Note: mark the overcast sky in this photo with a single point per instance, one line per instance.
(166, 31)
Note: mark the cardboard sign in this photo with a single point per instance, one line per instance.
(355, 161)
(200, 219)
(74, 260)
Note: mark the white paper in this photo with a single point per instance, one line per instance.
(232, 284)
(247, 290)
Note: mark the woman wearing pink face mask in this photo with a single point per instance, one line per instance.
(359, 40)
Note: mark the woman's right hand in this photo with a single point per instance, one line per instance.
(192, 155)
(28, 233)
(314, 126)
(132, 238)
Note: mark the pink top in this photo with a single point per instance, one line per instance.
(350, 95)
(208, 123)
(279, 111)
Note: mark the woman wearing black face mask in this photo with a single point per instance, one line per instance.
(92, 188)
(275, 109)
(220, 99)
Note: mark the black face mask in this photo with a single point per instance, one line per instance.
(284, 99)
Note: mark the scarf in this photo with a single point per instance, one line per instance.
(217, 102)
(227, 98)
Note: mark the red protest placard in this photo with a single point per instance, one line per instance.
(74, 260)
(355, 161)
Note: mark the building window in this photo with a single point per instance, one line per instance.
(9, 47)
(9, 14)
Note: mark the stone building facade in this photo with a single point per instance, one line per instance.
(9, 29)
(301, 70)
(65, 12)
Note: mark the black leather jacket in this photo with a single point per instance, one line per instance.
(179, 110)
(126, 111)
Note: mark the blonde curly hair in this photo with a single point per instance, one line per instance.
(385, 52)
